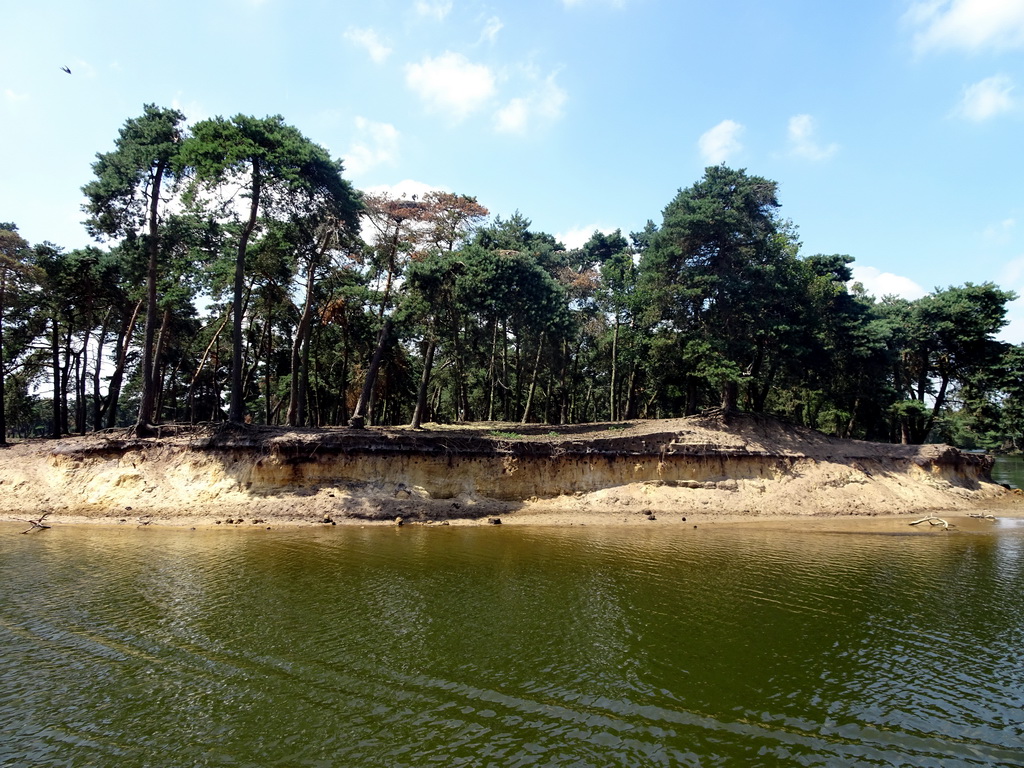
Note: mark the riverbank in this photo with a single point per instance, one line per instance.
(718, 468)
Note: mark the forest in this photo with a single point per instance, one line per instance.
(238, 277)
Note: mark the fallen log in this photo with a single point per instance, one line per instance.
(933, 520)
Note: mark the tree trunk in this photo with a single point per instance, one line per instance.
(143, 425)
(421, 395)
(343, 389)
(157, 384)
(3, 373)
(81, 371)
(940, 400)
(505, 390)
(563, 386)
(730, 395)
(852, 423)
(97, 401)
(203, 359)
(612, 410)
(55, 352)
(65, 421)
(295, 401)
(358, 419)
(462, 410)
(760, 394)
(492, 370)
(268, 406)
(692, 396)
(304, 381)
(631, 395)
(236, 410)
(117, 377)
(533, 381)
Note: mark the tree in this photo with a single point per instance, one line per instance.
(948, 340)
(1002, 414)
(274, 166)
(449, 220)
(714, 272)
(16, 281)
(125, 201)
(838, 368)
(613, 259)
(397, 224)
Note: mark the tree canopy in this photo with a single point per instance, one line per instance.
(276, 292)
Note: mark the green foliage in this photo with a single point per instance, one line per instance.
(119, 197)
(720, 274)
(454, 317)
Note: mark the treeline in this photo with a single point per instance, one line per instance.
(242, 278)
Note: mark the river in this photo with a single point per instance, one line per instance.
(502, 646)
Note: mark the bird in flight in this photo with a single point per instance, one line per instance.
(66, 70)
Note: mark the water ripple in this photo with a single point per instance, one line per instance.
(503, 647)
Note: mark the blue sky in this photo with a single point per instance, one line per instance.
(893, 127)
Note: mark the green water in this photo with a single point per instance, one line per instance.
(499, 646)
(1009, 470)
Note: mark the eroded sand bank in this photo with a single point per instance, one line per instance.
(733, 469)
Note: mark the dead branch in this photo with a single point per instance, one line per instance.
(36, 524)
(933, 520)
(981, 516)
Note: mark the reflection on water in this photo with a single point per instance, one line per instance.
(509, 647)
(1009, 470)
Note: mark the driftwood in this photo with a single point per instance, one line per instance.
(36, 524)
(933, 520)
(981, 516)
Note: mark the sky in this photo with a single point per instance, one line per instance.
(893, 127)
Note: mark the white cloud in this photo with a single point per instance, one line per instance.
(986, 99)
(543, 104)
(577, 3)
(407, 188)
(513, 117)
(879, 284)
(1000, 233)
(968, 25)
(193, 110)
(437, 9)
(1011, 277)
(370, 42)
(491, 29)
(802, 139)
(1012, 272)
(577, 236)
(375, 144)
(451, 83)
(81, 68)
(721, 142)
(1013, 331)
(14, 98)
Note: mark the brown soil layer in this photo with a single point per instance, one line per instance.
(713, 467)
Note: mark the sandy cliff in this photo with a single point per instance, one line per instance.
(706, 466)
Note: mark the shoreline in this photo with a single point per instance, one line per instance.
(720, 468)
(1008, 514)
